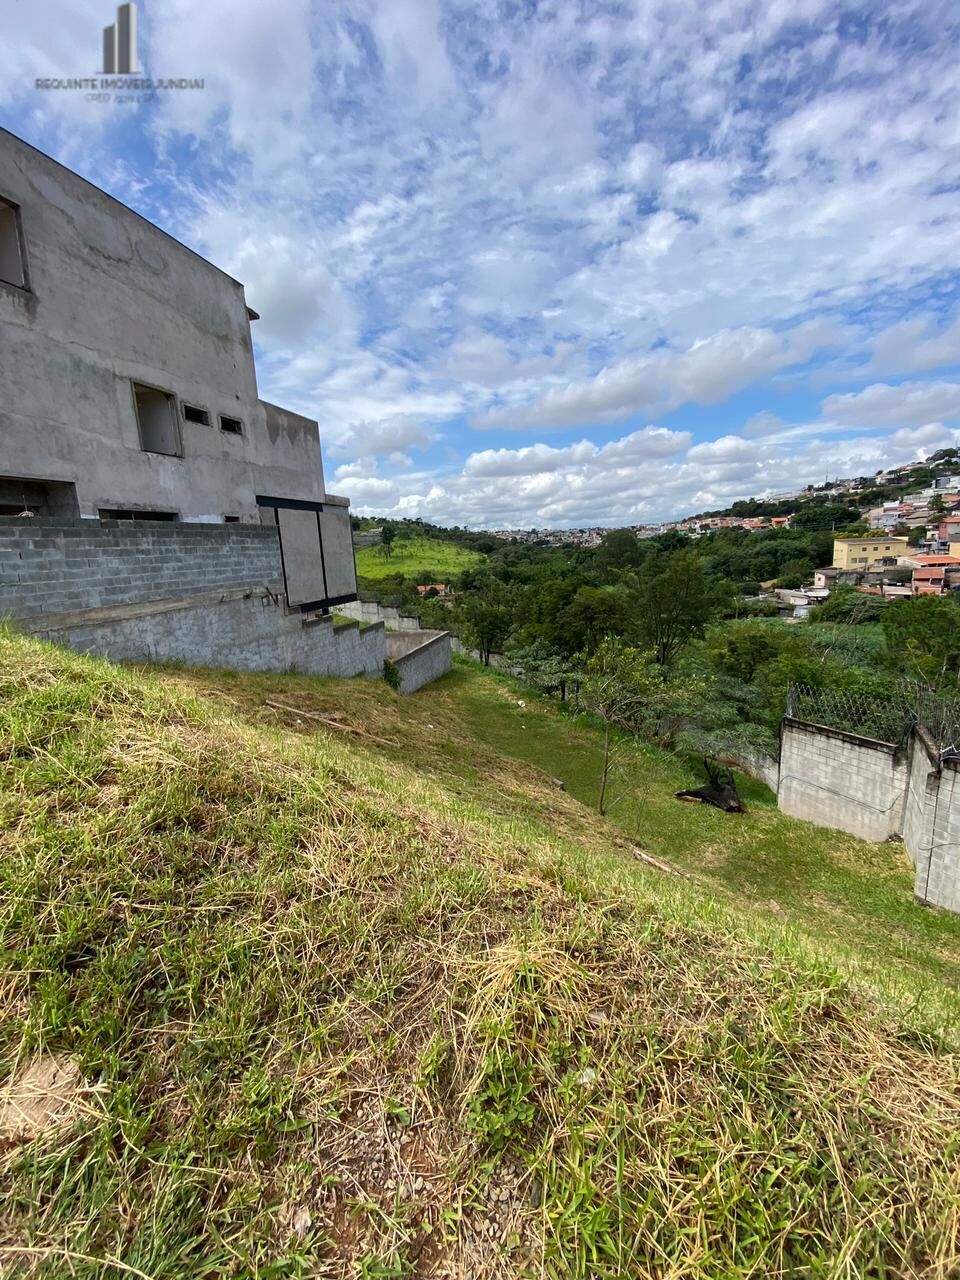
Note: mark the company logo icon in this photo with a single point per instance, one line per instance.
(121, 80)
(120, 43)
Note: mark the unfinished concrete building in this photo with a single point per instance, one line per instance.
(151, 504)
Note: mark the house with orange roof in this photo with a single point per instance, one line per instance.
(934, 575)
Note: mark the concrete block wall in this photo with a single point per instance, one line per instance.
(838, 779)
(931, 826)
(419, 656)
(164, 591)
(919, 802)
(758, 765)
(238, 630)
(372, 611)
(875, 790)
(938, 875)
(60, 566)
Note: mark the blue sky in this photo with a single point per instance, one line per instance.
(554, 263)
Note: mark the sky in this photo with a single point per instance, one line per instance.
(553, 264)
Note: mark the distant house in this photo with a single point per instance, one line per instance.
(934, 575)
(830, 578)
(865, 553)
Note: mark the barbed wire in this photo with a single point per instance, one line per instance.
(888, 719)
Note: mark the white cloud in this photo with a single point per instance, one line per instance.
(882, 405)
(762, 424)
(644, 477)
(925, 440)
(541, 459)
(486, 359)
(915, 344)
(594, 215)
(387, 437)
(707, 372)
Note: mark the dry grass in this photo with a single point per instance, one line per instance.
(351, 1018)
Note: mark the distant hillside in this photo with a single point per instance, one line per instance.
(413, 556)
(858, 492)
(303, 979)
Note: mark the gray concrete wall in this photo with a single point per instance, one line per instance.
(838, 779)
(51, 566)
(203, 594)
(112, 299)
(875, 790)
(922, 786)
(389, 615)
(419, 656)
(372, 611)
(939, 881)
(931, 823)
(235, 630)
(765, 768)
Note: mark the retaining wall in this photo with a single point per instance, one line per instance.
(60, 566)
(164, 591)
(923, 785)
(876, 790)
(419, 656)
(372, 611)
(841, 780)
(763, 767)
(390, 615)
(942, 885)
(238, 630)
(931, 829)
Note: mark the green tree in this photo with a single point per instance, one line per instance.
(674, 599)
(923, 636)
(848, 605)
(388, 535)
(634, 696)
(828, 516)
(795, 573)
(595, 612)
(484, 617)
(916, 535)
(618, 685)
(544, 608)
(620, 549)
(935, 505)
(543, 667)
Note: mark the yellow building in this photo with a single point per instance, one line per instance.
(864, 553)
(955, 549)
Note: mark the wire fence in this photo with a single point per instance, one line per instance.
(888, 719)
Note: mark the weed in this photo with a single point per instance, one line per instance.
(331, 1009)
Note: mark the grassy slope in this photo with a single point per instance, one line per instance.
(417, 555)
(354, 1009)
(844, 894)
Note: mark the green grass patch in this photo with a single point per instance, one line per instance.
(412, 556)
(852, 899)
(282, 1000)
